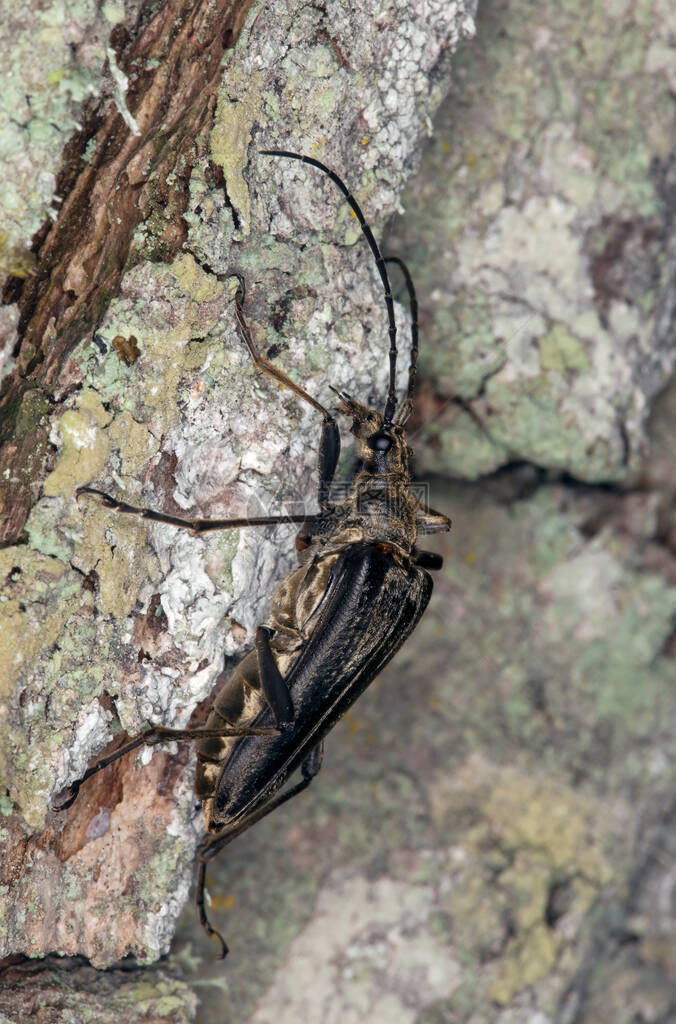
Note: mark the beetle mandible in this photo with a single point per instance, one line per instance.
(335, 621)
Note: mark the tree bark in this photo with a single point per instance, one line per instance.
(490, 838)
(126, 372)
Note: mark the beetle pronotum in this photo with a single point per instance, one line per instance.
(334, 622)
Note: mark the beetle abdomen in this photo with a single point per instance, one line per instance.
(238, 702)
(372, 604)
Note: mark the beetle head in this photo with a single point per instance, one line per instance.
(381, 447)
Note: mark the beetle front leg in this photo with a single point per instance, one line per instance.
(327, 460)
(329, 452)
(329, 445)
(212, 845)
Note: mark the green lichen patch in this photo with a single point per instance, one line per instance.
(536, 420)
(118, 548)
(50, 532)
(85, 446)
(561, 351)
(194, 282)
(464, 351)
(88, 434)
(49, 635)
(134, 442)
(532, 855)
(53, 58)
(229, 142)
(163, 307)
(30, 607)
(463, 446)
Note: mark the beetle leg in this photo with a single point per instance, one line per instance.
(200, 888)
(428, 560)
(329, 451)
(327, 460)
(329, 445)
(195, 525)
(212, 845)
(427, 520)
(262, 364)
(274, 688)
(158, 734)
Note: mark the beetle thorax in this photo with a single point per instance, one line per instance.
(384, 509)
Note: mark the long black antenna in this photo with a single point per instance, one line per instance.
(391, 402)
(406, 405)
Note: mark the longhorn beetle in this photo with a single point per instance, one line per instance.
(334, 622)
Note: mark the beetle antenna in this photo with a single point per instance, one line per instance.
(391, 402)
(405, 410)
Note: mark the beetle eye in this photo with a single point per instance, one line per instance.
(380, 442)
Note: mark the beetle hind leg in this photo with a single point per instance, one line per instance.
(200, 891)
(214, 844)
(151, 737)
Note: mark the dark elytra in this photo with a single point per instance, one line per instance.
(335, 621)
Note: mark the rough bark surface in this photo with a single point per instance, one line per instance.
(126, 372)
(491, 838)
(55, 991)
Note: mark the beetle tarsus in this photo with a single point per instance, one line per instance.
(73, 789)
(200, 893)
